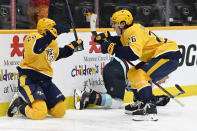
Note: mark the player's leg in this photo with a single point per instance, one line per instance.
(156, 69)
(89, 96)
(33, 106)
(55, 100)
(114, 77)
(140, 80)
(161, 100)
(114, 80)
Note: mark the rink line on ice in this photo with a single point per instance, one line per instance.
(69, 102)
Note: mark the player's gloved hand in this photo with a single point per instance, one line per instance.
(108, 47)
(74, 44)
(58, 29)
(100, 37)
(62, 27)
(52, 33)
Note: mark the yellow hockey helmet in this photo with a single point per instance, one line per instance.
(122, 15)
(45, 24)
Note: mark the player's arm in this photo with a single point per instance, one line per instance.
(133, 48)
(68, 50)
(127, 53)
(131, 52)
(107, 36)
(42, 43)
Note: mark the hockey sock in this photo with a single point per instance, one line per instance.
(146, 94)
(135, 95)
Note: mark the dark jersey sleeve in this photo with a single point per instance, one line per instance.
(42, 43)
(126, 53)
(115, 39)
(65, 52)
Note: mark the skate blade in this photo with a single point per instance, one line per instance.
(149, 117)
(14, 111)
(128, 112)
(77, 95)
(13, 98)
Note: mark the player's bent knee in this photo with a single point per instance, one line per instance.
(106, 100)
(138, 78)
(38, 110)
(59, 110)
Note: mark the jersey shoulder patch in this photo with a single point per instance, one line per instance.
(32, 37)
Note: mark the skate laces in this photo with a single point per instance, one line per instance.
(147, 106)
(136, 104)
(87, 89)
(15, 109)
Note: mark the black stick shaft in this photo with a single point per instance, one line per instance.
(169, 94)
(72, 21)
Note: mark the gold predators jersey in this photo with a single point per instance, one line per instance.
(145, 44)
(39, 62)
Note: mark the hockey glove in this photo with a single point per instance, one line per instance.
(100, 37)
(58, 29)
(52, 33)
(74, 44)
(107, 47)
(62, 27)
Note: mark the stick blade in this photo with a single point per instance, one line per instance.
(179, 88)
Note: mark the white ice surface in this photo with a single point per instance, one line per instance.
(171, 118)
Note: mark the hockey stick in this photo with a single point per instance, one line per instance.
(77, 93)
(168, 93)
(79, 48)
(180, 89)
(91, 17)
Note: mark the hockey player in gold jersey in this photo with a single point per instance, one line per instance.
(159, 57)
(40, 96)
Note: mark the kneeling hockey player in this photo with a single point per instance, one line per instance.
(40, 96)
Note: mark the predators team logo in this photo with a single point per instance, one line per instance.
(40, 93)
(50, 54)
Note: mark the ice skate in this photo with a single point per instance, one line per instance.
(81, 98)
(13, 108)
(130, 108)
(147, 113)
